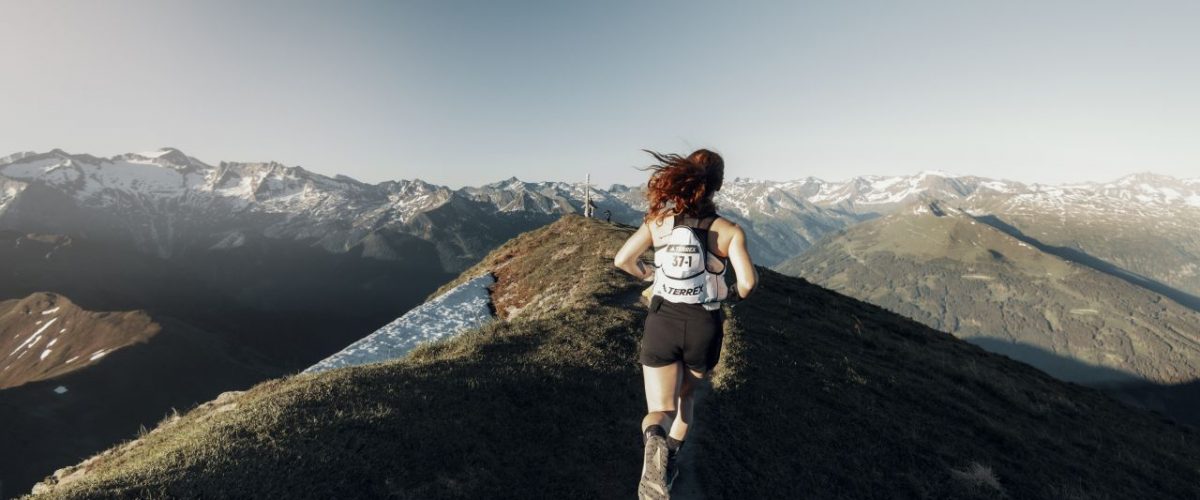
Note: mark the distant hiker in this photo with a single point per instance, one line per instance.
(608, 216)
(683, 333)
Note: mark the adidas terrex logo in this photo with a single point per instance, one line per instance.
(670, 290)
(683, 249)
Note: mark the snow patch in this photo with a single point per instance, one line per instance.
(997, 186)
(463, 307)
(50, 311)
(33, 339)
(44, 354)
(62, 389)
(154, 154)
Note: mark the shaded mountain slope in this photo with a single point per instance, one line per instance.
(952, 271)
(817, 395)
(230, 317)
(289, 302)
(70, 416)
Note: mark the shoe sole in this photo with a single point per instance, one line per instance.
(654, 464)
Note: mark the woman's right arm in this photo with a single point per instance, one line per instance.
(739, 257)
(628, 258)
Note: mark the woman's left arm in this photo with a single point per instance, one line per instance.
(628, 259)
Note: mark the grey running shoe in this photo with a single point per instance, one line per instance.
(672, 470)
(654, 470)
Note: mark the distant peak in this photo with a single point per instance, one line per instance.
(1145, 177)
(160, 152)
(936, 173)
(165, 156)
(510, 182)
(59, 153)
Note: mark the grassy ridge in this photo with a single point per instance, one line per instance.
(842, 399)
(958, 274)
(817, 395)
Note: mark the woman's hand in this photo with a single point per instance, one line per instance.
(647, 272)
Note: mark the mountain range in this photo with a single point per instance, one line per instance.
(166, 203)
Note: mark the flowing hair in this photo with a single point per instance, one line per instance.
(683, 185)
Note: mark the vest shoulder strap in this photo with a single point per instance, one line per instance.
(702, 223)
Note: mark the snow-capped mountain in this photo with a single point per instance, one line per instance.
(1137, 195)
(168, 202)
(881, 195)
(875, 195)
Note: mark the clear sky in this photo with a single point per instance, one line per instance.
(472, 92)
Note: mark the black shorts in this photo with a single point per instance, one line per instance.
(687, 332)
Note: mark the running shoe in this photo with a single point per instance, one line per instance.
(672, 469)
(654, 470)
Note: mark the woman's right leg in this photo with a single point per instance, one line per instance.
(661, 383)
(684, 402)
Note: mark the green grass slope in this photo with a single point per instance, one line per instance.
(818, 396)
(955, 273)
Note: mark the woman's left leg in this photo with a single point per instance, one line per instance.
(661, 383)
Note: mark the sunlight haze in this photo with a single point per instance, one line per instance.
(465, 93)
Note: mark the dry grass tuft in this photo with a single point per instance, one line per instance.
(978, 477)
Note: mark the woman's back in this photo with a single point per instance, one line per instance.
(719, 235)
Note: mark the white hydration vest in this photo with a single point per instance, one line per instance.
(681, 266)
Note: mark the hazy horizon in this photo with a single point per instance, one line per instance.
(466, 93)
(729, 175)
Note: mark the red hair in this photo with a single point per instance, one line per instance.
(686, 184)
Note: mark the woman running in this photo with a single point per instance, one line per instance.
(681, 342)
